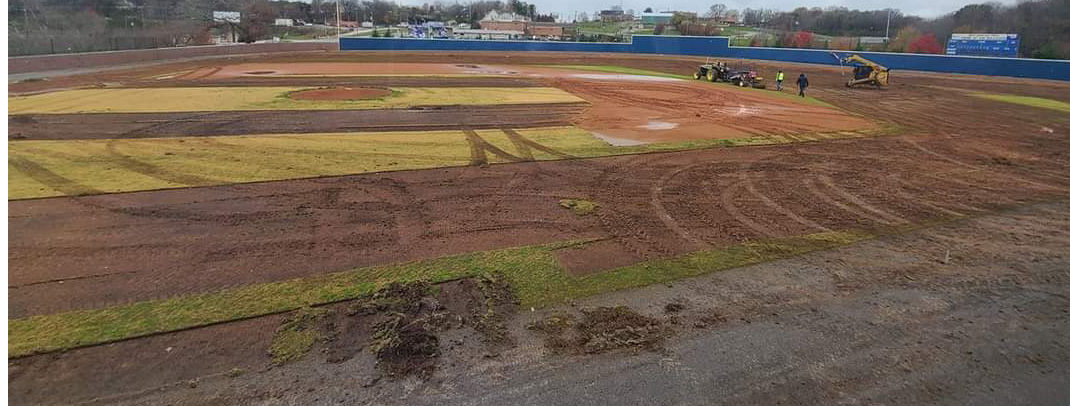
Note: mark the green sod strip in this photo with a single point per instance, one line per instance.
(60, 331)
(533, 272)
(631, 71)
(1025, 101)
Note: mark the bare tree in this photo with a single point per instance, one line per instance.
(717, 11)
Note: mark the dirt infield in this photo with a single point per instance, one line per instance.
(634, 111)
(946, 156)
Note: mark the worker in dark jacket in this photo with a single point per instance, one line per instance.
(803, 83)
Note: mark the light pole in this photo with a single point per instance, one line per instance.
(888, 25)
(338, 21)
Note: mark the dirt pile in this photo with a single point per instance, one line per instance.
(406, 317)
(400, 324)
(405, 345)
(600, 330)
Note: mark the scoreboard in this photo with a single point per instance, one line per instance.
(1002, 45)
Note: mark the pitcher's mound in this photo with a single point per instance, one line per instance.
(341, 93)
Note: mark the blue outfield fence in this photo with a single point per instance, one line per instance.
(718, 47)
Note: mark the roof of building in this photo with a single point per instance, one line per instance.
(489, 32)
(504, 16)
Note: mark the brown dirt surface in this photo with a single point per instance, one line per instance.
(885, 304)
(655, 205)
(991, 321)
(341, 93)
(156, 125)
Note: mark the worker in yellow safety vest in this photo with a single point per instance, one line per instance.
(779, 79)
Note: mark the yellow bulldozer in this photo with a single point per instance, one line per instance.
(866, 72)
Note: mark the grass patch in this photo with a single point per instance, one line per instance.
(598, 27)
(1025, 101)
(190, 99)
(532, 271)
(296, 336)
(84, 327)
(77, 167)
(765, 92)
(579, 206)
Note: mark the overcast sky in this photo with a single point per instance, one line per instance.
(923, 8)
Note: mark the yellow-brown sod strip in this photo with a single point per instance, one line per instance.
(533, 272)
(187, 99)
(75, 167)
(82, 167)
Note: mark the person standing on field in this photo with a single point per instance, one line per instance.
(803, 83)
(779, 79)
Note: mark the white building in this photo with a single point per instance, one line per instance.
(503, 16)
(487, 34)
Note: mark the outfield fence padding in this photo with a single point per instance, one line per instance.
(718, 47)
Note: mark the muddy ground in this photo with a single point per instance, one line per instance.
(972, 312)
(956, 156)
(879, 322)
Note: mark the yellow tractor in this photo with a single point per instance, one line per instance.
(866, 72)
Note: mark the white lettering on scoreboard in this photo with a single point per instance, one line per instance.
(984, 37)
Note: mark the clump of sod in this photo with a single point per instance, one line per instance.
(296, 336)
(579, 206)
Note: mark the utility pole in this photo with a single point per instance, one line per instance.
(888, 25)
(338, 21)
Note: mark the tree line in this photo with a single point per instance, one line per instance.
(1041, 25)
(43, 26)
(56, 26)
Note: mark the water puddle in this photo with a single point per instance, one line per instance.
(618, 142)
(659, 125)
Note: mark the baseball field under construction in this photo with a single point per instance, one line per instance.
(507, 227)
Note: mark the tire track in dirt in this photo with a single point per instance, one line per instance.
(749, 183)
(861, 214)
(857, 201)
(479, 148)
(728, 197)
(154, 171)
(48, 178)
(918, 146)
(663, 215)
(525, 146)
